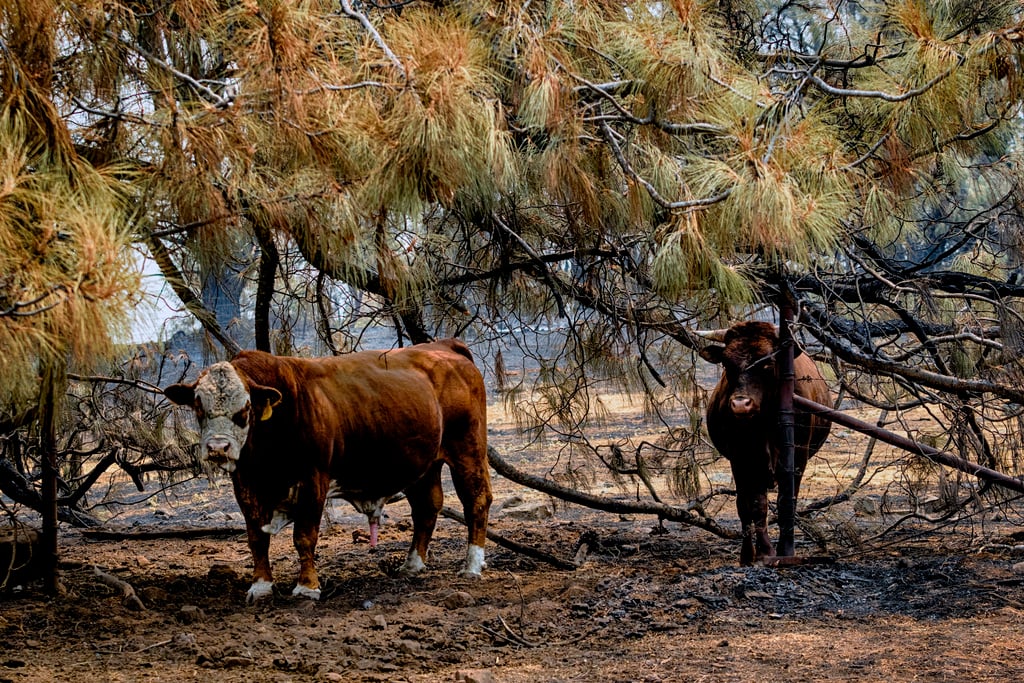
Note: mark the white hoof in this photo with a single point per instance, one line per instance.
(301, 591)
(475, 564)
(413, 564)
(259, 590)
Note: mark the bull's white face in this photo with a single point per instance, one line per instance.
(225, 415)
(226, 409)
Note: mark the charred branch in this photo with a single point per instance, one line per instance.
(22, 491)
(128, 595)
(192, 302)
(983, 473)
(514, 546)
(876, 363)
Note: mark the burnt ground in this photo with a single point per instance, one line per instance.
(646, 605)
(649, 603)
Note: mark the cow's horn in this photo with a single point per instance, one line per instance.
(713, 335)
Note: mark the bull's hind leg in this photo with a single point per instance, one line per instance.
(308, 512)
(472, 480)
(425, 499)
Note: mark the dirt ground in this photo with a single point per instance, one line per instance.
(649, 603)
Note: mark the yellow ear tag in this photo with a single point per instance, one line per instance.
(267, 412)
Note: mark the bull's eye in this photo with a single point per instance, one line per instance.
(241, 418)
(200, 413)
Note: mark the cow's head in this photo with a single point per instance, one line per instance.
(226, 406)
(747, 355)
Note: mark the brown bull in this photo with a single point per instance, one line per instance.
(743, 422)
(293, 432)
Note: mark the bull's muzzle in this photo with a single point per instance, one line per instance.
(221, 453)
(743, 406)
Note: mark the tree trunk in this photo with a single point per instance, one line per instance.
(785, 473)
(51, 394)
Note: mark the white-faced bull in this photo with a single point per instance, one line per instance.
(743, 421)
(293, 432)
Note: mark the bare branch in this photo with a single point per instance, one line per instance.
(213, 99)
(351, 13)
(609, 137)
(882, 95)
(662, 511)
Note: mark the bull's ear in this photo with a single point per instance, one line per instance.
(263, 401)
(181, 394)
(713, 353)
(797, 351)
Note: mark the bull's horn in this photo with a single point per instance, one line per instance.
(713, 335)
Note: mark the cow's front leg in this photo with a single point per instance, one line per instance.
(426, 499)
(259, 546)
(756, 542)
(306, 532)
(752, 508)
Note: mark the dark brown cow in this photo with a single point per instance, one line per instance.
(743, 422)
(293, 432)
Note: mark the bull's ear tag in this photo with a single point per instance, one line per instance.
(265, 398)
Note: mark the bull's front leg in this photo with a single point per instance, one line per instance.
(756, 542)
(259, 540)
(752, 508)
(259, 546)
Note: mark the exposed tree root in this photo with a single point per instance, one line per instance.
(128, 592)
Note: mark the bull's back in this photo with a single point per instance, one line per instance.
(368, 390)
(382, 415)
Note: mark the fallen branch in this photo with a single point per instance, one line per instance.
(128, 593)
(178, 532)
(513, 545)
(911, 446)
(18, 488)
(671, 513)
(516, 637)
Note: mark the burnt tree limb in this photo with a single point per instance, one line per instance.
(935, 455)
(152, 534)
(22, 491)
(192, 302)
